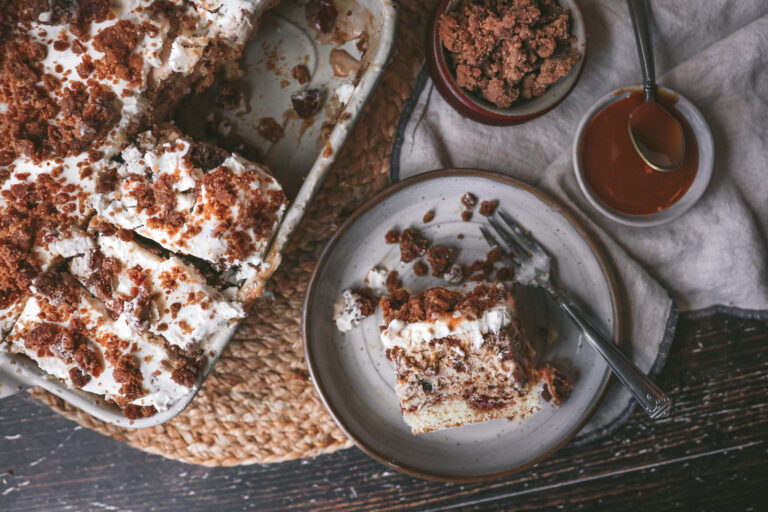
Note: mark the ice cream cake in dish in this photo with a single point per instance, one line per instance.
(123, 304)
(460, 357)
(72, 336)
(194, 199)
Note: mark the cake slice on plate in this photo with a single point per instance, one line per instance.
(460, 357)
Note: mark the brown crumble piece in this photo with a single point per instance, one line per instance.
(321, 14)
(506, 51)
(270, 129)
(393, 281)
(428, 217)
(438, 300)
(366, 301)
(300, 73)
(487, 208)
(505, 274)
(469, 200)
(460, 236)
(392, 236)
(412, 245)
(494, 255)
(466, 215)
(420, 268)
(230, 96)
(137, 412)
(187, 369)
(441, 258)
(483, 266)
(306, 102)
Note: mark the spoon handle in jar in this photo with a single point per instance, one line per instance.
(638, 11)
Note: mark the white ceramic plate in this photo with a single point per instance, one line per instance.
(354, 377)
(703, 175)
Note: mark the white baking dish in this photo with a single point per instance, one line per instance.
(300, 159)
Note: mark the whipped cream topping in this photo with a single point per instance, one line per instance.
(230, 19)
(94, 325)
(403, 334)
(376, 280)
(346, 311)
(210, 226)
(184, 310)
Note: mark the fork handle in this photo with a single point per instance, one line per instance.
(653, 400)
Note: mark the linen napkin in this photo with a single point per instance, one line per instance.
(713, 257)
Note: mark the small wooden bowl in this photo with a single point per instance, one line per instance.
(482, 111)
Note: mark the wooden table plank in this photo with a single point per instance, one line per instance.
(709, 455)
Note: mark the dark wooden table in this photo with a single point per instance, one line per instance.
(711, 454)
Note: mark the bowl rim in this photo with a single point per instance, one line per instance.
(462, 102)
(618, 308)
(697, 188)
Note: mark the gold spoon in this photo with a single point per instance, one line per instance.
(656, 135)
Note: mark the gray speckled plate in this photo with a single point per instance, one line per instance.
(355, 379)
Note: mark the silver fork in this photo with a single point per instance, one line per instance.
(532, 266)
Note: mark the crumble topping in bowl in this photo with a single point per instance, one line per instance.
(508, 50)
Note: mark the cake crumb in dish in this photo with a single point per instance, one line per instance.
(322, 14)
(306, 102)
(270, 129)
(300, 73)
(353, 307)
(428, 217)
(508, 51)
(488, 208)
(412, 245)
(466, 215)
(440, 258)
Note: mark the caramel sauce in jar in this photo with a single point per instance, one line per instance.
(617, 175)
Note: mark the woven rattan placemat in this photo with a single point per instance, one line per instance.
(258, 405)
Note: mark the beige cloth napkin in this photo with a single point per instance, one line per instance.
(714, 53)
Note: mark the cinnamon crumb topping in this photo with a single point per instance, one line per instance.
(412, 245)
(441, 301)
(420, 268)
(187, 369)
(137, 412)
(392, 236)
(440, 258)
(487, 208)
